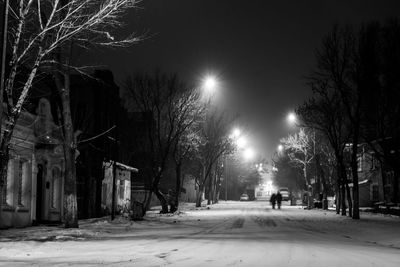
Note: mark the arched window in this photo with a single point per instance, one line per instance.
(55, 188)
(22, 173)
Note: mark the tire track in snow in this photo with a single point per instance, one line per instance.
(238, 223)
(264, 221)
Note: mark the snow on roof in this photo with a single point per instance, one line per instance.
(121, 166)
(361, 182)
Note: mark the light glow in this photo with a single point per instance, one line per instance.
(209, 84)
(291, 118)
(236, 133)
(241, 142)
(249, 154)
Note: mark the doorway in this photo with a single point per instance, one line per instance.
(39, 194)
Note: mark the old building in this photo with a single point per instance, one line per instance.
(32, 192)
(376, 178)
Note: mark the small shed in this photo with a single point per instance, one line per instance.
(123, 182)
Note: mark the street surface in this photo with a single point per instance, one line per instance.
(226, 234)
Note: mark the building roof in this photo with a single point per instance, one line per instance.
(122, 166)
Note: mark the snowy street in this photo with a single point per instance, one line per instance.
(226, 234)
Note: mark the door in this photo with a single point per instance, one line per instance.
(39, 194)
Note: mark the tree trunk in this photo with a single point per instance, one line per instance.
(178, 185)
(210, 191)
(160, 196)
(338, 198)
(354, 169)
(349, 199)
(395, 198)
(217, 187)
(322, 178)
(199, 195)
(70, 203)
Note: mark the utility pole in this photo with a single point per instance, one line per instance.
(114, 178)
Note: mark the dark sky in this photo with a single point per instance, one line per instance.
(259, 50)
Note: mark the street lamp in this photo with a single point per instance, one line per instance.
(291, 118)
(209, 84)
(248, 153)
(236, 133)
(241, 142)
(280, 148)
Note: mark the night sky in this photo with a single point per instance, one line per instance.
(259, 50)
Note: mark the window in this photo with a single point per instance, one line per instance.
(387, 180)
(359, 162)
(104, 194)
(121, 189)
(55, 187)
(20, 181)
(373, 162)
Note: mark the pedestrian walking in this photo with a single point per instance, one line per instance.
(273, 200)
(279, 199)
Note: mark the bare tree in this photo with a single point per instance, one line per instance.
(324, 112)
(41, 35)
(339, 66)
(299, 147)
(187, 143)
(215, 143)
(173, 111)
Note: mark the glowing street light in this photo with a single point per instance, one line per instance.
(248, 154)
(209, 84)
(280, 148)
(236, 133)
(291, 118)
(241, 142)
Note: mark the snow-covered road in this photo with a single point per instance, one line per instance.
(227, 234)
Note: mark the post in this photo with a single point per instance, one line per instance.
(114, 179)
(113, 190)
(226, 178)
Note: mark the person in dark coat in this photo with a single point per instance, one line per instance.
(273, 200)
(279, 199)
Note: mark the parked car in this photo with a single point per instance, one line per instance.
(285, 193)
(244, 197)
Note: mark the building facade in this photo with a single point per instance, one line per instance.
(32, 192)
